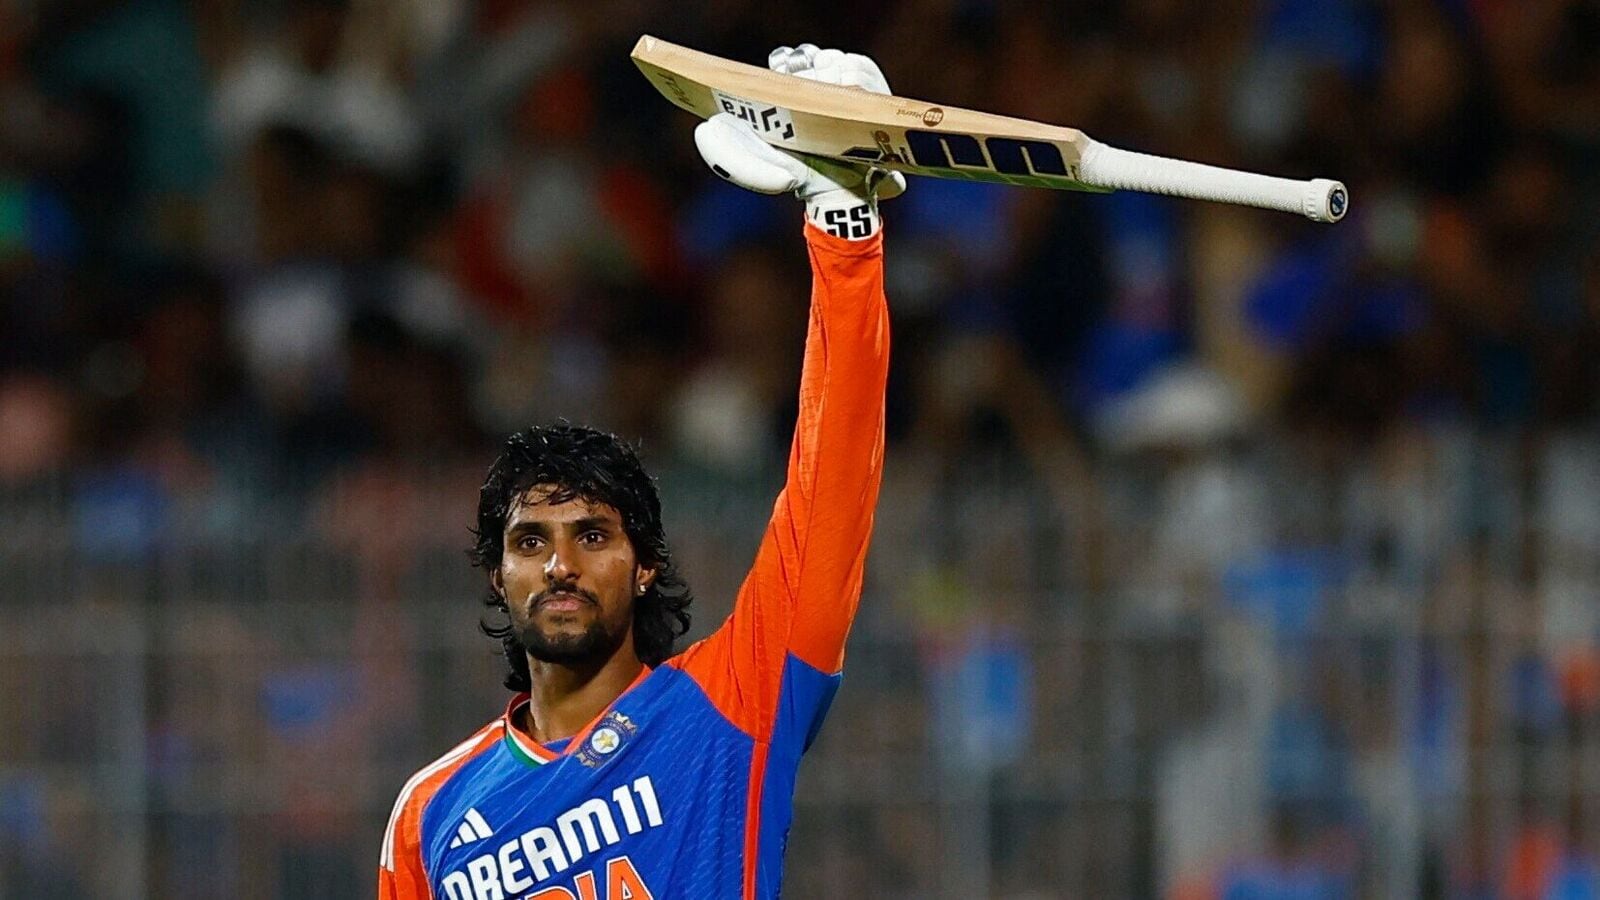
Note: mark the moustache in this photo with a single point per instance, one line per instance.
(572, 590)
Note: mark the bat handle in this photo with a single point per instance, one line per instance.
(1104, 166)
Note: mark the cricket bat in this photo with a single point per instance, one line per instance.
(922, 138)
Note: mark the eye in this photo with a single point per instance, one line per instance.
(593, 538)
(528, 542)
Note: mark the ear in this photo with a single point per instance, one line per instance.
(497, 582)
(643, 578)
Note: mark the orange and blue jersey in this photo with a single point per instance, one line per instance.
(683, 787)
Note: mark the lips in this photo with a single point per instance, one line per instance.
(562, 601)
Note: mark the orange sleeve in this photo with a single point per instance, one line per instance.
(401, 874)
(406, 881)
(801, 595)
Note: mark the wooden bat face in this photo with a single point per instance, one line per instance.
(856, 125)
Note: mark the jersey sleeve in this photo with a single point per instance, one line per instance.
(401, 872)
(406, 880)
(794, 610)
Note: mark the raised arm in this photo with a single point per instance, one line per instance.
(822, 521)
(797, 603)
(783, 646)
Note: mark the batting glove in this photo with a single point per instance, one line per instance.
(840, 198)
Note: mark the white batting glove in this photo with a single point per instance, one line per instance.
(841, 198)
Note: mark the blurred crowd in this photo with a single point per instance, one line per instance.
(252, 235)
(281, 273)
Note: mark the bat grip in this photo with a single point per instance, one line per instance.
(1104, 166)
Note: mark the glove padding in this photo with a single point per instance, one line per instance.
(840, 197)
(730, 147)
(829, 67)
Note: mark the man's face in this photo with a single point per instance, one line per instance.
(570, 578)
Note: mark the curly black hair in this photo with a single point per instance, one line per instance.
(597, 467)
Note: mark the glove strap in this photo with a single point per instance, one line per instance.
(845, 214)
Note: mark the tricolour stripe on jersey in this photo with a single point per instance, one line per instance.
(386, 856)
(530, 753)
(535, 754)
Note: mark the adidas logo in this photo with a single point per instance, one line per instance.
(473, 828)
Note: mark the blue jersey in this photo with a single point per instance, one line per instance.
(683, 787)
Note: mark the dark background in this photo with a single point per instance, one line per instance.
(1221, 554)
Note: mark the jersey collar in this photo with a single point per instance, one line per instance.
(531, 752)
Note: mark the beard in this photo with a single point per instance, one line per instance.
(568, 648)
(595, 642)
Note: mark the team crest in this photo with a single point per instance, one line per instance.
(606, 739)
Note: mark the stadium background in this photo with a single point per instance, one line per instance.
(1220, 554)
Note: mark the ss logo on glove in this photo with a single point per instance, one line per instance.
(853, 224)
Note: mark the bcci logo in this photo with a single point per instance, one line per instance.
(607, 738)
(605, 741)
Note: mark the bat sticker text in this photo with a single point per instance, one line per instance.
(768, 121)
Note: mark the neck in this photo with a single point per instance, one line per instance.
(566, 697)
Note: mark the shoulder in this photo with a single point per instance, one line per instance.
(425, 783)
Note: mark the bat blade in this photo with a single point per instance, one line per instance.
(922, 138)
(911, 136)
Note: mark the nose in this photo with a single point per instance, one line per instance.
(557, 568)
